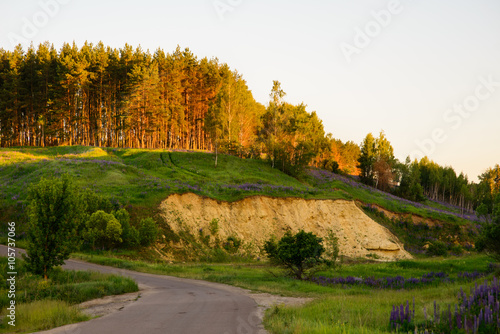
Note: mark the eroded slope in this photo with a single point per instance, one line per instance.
(256, 219)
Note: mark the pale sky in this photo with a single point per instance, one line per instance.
(426, 72)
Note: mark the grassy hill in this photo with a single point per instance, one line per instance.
(140, 179)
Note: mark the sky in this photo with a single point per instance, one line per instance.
(427, 73)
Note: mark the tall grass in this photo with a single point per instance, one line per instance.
(42, 315)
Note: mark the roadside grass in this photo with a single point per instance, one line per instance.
(43, 304)
(42, 315)
(335, 309)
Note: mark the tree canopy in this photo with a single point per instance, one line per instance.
(54, 215)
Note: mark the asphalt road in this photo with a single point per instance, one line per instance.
(171, 305)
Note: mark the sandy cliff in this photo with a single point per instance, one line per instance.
(256, 219)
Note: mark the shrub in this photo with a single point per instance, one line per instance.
(130, 235)
(148, 231)
(103, 230)
(437, 248)
(299, 254)
(232, 244)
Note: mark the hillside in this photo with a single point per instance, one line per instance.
(249, 222)
(140, 180)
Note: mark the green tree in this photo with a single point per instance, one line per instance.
(272, 121)
(130, 235)
(489, 239)
(148, 232)
(103, 230)
(299, 254)
(410, 186)
(367, 159)
(377, 162)
(54, 214)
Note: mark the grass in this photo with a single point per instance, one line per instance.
(43, 304)
(145, 177)
(43, 315)
(354, 313)
(140, 179)
(336, 309)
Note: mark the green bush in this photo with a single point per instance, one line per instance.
(299, 254)
(232, 244)
(437, 248)
(148, 231)
(103, 230)
(130, 235)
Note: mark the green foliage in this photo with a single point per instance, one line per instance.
(214, 227)
(148, 232)
(292, 137)
(103, 230)
(377, 162)
(299, 254)
(42, 315)
(332, 249)
(95, 202)
(437, 248)
(482, 212)
(367, 159)
(410, 186)
(232, 244)
(54, 215)
(489, 239)
(130, 235)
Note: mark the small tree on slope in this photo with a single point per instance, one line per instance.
(54, 214)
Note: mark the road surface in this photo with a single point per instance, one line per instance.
(171, 305)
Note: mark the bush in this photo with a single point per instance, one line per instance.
(103, 230)
(299, 254)
(130, 235)
(147, 232)
(437, 248)
(232, 244)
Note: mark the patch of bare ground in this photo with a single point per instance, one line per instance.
(110, 304)
(255, 219)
